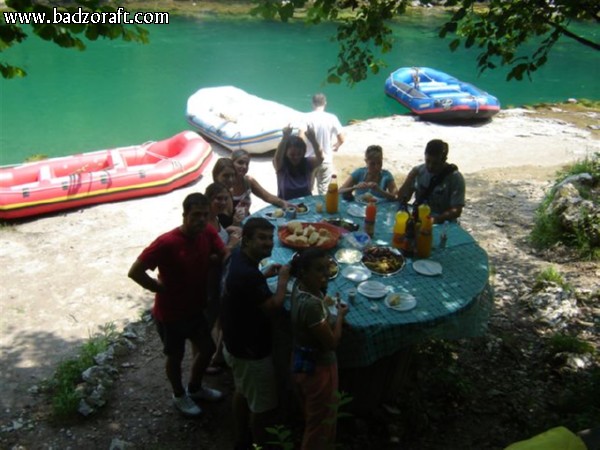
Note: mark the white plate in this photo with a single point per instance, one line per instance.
(373, 289)
(407, 301)
(360, 199)
(427, 267)
(356, 210)
(348, 255)
(356, 273)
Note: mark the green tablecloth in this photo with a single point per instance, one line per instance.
(452, 305)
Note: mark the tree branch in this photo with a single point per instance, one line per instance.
(581, 40)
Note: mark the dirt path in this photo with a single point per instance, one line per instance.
(64, 276)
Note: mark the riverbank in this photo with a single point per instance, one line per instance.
(64, 276)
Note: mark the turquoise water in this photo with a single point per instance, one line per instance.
(117, 93)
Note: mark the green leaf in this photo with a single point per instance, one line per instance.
(334, 79)
(454, 44)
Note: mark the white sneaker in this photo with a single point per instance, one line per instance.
(186, 406)
(206, 393)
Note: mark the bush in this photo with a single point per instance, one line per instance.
(582, 231)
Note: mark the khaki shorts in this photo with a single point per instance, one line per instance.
(255, 380)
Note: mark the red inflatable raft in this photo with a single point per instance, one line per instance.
(102, 176)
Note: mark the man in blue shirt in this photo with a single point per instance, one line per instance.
(247, 307)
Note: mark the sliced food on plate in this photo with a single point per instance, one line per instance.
(301, 208)
(277, 213)
(301, 235)
(400, 301)
(366, 198)
(383, 260)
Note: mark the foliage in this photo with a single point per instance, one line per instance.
(503, 27)
(499, 30)
(548, 231)
(550, 275)
(36, 157)
(560, 343)
(62, 34)
(64, 396)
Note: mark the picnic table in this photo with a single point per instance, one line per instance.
(377, 344)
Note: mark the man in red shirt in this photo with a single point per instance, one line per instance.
(182, 257)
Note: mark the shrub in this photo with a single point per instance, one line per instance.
(583, 233)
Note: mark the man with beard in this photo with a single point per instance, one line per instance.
(436, 183)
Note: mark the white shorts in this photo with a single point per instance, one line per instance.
(255, 380)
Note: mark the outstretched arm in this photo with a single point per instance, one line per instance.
(265, 195)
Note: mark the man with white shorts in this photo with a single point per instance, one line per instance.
(247, 307)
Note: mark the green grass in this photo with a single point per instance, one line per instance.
(560, 343)
(550, 275)
(64, 397)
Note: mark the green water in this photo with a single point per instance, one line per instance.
(118, 93)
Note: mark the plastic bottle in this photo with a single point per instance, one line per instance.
(332, 197)
(410, 237)
(370, 215)
(399, 228)
(425, 238)
(444, 236)
(424, 212)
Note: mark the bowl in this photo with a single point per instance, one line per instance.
(290, 239)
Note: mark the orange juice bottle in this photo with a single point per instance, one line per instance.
(332, 198)
(399, 228)
(370, 214)
(425, 238)
(424, 212)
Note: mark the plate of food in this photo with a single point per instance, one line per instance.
(383, 260)
(348, 255)
(366, 198)
(356, 210)
(275, 214)
(373, 289)
(302, 235)
(333, 268)
(400, 301)
(346, 224)
(302, 209)
(356, 273)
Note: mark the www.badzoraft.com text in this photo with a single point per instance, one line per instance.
(120, 16)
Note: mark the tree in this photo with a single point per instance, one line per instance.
(499, 28)
(62, 34)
